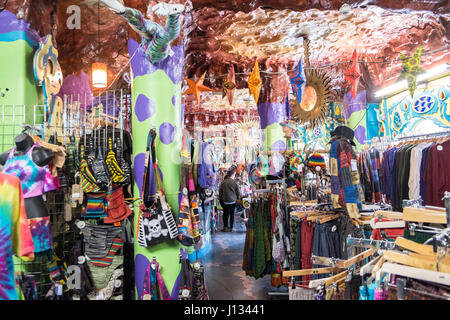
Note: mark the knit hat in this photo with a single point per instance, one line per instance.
(315, 160)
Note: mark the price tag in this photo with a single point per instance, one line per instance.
(354, 165)
(59, 289)
(100, 295)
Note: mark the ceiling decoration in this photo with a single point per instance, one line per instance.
(255, 82)
(195, 87)
(228, 86)
(313, 107)
(352, 74)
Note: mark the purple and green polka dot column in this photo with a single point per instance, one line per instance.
(356, 114)
(270, 115)
(156, 92)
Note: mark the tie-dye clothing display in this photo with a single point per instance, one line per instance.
(15, 235)
(35, 180)
(41, 234)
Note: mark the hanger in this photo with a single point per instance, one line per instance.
(418, 261)
(330, 280)
(417, 247)
(344, 264)
(415, 273)
(303, 272)
(424, 215)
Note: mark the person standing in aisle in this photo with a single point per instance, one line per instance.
(229, 195)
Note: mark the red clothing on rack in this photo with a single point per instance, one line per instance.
(437, 174)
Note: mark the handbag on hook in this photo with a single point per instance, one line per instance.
(156, 223)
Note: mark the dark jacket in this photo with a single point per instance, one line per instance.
(229, 191)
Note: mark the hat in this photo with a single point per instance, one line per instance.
(262, 166)
(345, 132)
(316, 160)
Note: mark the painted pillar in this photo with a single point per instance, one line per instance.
(156, 101)
(355, 113)
(272, 111)
(18, 88)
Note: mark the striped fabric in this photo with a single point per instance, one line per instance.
(88, 182)
(98, 239)
(95, 206)
(108, 259)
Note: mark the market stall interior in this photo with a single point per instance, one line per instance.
(205, 150)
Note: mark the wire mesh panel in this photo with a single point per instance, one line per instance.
(78, 119)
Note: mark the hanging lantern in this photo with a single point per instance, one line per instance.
(99, 75)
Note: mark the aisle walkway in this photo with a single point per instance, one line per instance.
(225, 278)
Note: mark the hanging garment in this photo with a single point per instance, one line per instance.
(154, 286)
(99, 239)
(259, 265)
(114, 170)
(15, 234)
(326, 242)
(99, 169)
(186, 279)
(42, 235)
(345, 183)
(414, 173)
(307, 246)
(87, 179)
(184, 222)
(437, 174)
(34, 179)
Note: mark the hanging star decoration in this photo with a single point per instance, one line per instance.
(411, 69)
(195, 87)
(229, 84)
(352, 74)
(298, 81)
(255, 82)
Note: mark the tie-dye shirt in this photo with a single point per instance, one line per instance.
(35, 180)
(15, 235)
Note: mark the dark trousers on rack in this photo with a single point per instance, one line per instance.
(228, 214)
(326, 242)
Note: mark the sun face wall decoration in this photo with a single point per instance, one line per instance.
(313, 107)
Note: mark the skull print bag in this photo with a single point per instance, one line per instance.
(156, 223)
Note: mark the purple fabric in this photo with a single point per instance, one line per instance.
(422, 171)
(141, 264)
(79, 87)
(278, 145)
(182, 114)
(9, 23)
(172, 65)
(110, 102)
(270, 113)
(144, 107)
(351, 106)
(360, 134)
(166, 133)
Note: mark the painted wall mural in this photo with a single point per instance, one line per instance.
(18, 89)
(402, 113)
